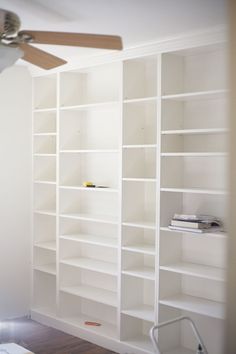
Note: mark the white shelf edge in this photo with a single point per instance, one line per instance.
(194, 154)
(45, 212)
(44, 182)
(208, 94)
(139, 249)
(107, 105)
(46, 155)
(211, 234)
(194, 191)
(194, 131)
(143, 312)
(48, 245)
(39, 110)
(89, 151)
(130, 179)
(144, 225)
(91, 189)
(49, 268)
(141, 99)
(45, 134)
(140, 272)
(140, 146)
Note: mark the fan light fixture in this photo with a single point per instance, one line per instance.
(9, 55)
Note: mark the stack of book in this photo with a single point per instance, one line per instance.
(195, 223)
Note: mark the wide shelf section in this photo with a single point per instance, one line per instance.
(91, 217)
(218, 234)
(194, 190)
(197, 270)
(92, 293)
(92, 239)
(197, 95)
(92, 264)
(195, 304)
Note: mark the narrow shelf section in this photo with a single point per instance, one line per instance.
(194, 131)
(194, 190)
(106, 329)
(144, 146)
(45, 134)
(142, 99)
(141, 248)
(95, 294)
(46, 268)
(139, 179)
(38, 110)
(92, 264)
(50, 245)
(142, 224)
(44, 154)
(46, 212)
(92, 239)
(141, 272)
(197, 270)
(44, 182)
(91, 217)
(199, 95)
(143, 312)
(211, 234)
(195, 304)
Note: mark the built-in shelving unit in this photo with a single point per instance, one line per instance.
(150, 132)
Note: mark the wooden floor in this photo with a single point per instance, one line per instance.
(45, 340)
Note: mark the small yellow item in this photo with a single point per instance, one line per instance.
(87, 184)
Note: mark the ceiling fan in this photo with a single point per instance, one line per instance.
(15, 44)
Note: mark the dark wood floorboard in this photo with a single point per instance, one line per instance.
(45, 340)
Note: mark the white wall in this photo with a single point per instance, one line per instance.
(15, 191)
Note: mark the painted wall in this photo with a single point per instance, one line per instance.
(15, 191)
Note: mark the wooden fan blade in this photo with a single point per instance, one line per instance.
(40, 58)
(75, 39)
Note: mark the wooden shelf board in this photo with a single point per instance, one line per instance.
(48, 245)
(211, 234)
(196, 305)
(143, 312)
(92, 239)
(141, 272)
(107, 219)
(91, 293)
(199, 95)
(91, 189)
(142, 224)
(140, 248)
(103, 106)
(46, 268)
(194, 131)
(194, 191)
(197, 270)
(92, 264)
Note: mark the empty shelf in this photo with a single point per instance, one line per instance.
(198, 270)
(140, 248)
(48, 245)
(143, 312)
(92, 239)
(92, 217)
(92, 264)
(195, 304)
(141, 272)
(46, 268)
(95, 294)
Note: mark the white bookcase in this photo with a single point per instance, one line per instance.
(153, 130)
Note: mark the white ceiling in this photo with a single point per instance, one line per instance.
(137, 21)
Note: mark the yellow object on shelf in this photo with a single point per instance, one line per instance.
(88, 184)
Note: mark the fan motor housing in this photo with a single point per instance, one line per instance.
(9, 23)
